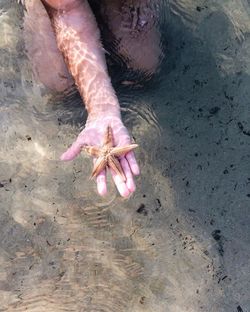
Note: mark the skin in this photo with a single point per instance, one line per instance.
(77, 37)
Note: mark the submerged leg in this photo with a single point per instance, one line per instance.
(46, 59)
(134, 26)
(78, 38)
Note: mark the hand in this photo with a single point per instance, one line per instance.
(93, 134)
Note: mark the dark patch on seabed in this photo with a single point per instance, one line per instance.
(181, 242)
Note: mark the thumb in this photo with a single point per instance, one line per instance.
(72, 151)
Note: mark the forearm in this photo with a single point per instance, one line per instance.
(78, 38)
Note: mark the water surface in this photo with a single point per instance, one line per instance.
(181, 242)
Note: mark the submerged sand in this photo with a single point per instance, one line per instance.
(181, 243)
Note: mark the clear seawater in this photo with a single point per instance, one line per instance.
(181, 243)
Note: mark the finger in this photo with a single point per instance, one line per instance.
(129, 176)
(72, 152)
(133, 163)
(102, 183)
(120, 184)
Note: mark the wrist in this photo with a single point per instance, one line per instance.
(104, 110)
(103, 119)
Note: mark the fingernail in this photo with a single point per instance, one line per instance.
(62, 157)
(131, 185)
(102, 190)
(125, 193)
(103, 193)
(136, 170)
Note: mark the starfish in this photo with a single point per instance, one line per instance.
(108, 155)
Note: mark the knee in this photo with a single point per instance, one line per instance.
(61, 4)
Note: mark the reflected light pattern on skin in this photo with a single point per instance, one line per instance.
(78, 39)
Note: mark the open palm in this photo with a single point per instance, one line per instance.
(93, 134)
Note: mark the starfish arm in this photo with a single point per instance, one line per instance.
(99, 166)
(94, 151)
(122, 150)
(114, 164)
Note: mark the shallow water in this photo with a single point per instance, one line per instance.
(181, 243)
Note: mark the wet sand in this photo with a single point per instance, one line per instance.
(181, 243)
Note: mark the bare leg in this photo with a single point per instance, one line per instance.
(40, 41)
(133, 24)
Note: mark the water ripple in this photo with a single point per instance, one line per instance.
(63, 248)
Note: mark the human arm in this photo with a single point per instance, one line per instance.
(78, 38)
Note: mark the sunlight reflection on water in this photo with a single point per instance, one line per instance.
(181, 242)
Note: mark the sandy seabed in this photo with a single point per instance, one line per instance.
(182, 242)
